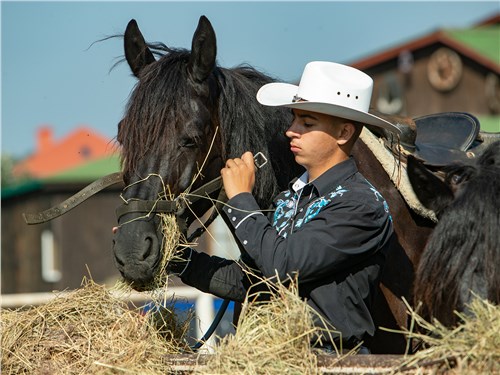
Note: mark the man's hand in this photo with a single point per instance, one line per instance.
(239, 175)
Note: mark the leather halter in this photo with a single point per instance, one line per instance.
(176, 206)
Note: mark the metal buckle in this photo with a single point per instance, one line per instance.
(259, 159)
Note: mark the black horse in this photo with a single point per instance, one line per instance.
(460, 260)
(185, 117)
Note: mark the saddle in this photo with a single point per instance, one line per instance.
(438, 139)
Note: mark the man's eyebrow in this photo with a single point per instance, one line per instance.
(305, 116)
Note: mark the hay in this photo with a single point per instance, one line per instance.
(89, 331)
(173, 240)
(273, 337)
(471, 347)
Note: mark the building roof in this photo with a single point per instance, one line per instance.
(485, 41)
(80, 175)
(489, 124)
(480, 43)
(89, 171)
(55, 156)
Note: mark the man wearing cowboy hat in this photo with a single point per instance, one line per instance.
(331, 228)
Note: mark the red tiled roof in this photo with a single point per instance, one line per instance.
(54, 156)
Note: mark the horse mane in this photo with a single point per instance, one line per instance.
(464, 245)
(244, 124)
(248, 125)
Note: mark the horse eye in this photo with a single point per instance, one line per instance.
(455, 179)
(188, 143)
(459, 177)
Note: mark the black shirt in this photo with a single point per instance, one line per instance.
(332, 233)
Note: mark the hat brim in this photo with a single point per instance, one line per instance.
(278, 94)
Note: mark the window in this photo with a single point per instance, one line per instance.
(51, 259)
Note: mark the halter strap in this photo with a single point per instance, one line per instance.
(73, 201)
(145, 206)
(175, 206)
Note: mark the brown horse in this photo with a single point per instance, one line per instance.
(188, 115)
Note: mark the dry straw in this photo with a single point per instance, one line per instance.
(273, 337)
(173, 241)
(89, 331)
(472, 347)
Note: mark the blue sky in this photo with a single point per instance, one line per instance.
(49, 75)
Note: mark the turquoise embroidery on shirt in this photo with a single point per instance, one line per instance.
(339, 191)
(284, 211)
(378, 198)
(317, 205)
(313, 210)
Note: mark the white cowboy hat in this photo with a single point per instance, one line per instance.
(328, 88)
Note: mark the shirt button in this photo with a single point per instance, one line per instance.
(245, 242)
(233, 218)
(229, 210)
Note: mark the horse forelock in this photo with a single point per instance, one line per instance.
(154, 110)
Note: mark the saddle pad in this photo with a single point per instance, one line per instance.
(396, 170)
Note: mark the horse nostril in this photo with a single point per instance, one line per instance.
(119, 261)
(147, 248)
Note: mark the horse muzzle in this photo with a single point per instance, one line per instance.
(137, 251)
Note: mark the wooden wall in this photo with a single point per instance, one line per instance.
(83, 236)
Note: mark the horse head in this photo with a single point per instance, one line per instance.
(185, 117)
(168, 138)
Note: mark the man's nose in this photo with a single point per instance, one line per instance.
(291, 132)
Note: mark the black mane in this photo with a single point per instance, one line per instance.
(464, 245)
(248, 125)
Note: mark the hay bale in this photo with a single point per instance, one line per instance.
(88, 331)
(273, 337)
(471, 347)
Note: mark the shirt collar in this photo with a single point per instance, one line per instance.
(329, 180)
(300, 182)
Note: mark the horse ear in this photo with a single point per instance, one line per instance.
(430, 190)
(203, 51)
(137, 53)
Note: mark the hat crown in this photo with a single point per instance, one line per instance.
(328, 82)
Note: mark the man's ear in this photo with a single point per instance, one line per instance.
(347, 131)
